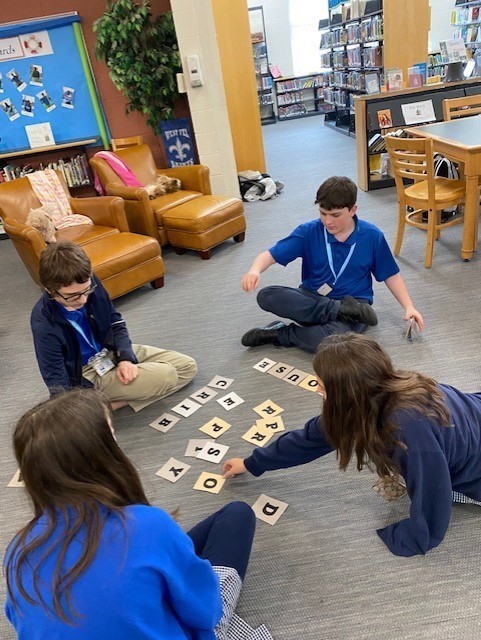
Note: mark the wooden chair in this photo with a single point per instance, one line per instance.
(413, 159)
(461, 107)
(121, 143)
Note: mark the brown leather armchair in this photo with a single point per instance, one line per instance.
(191, 218)
(122, 260)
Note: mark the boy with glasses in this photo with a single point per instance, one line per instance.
(81, 340)
(340, 254)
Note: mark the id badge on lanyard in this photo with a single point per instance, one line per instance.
(326, 289)
(101, 362)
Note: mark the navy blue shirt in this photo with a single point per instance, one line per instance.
(438, 460)
(56, 342)
(371, 257)
(88, 346)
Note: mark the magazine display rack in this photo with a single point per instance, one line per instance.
(384, 114)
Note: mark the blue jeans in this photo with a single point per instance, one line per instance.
(225, 538)
(314, 316)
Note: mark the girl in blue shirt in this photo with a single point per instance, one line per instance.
(96, 561)
(396, 422)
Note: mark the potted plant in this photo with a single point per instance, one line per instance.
(142, 55)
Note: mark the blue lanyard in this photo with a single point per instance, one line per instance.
(329, 258)
(92, 344)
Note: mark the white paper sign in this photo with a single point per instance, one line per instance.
(39, 135)
(418, 112)
(452, 50)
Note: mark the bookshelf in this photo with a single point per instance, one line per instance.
(436, 66)
(300, 96)
(362, 38)
(372, 172)
(69, 158)
(265, 88)
(466, 20)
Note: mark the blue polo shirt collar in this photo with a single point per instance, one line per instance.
(352, 238)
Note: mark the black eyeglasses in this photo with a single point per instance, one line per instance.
(75, 297)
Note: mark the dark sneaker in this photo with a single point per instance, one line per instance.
(263, 335)
(353, 311)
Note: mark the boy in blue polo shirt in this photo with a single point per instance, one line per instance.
(340, 254)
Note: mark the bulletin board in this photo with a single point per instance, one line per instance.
(46, 80)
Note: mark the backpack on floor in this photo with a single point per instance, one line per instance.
(262, 188)
(444, 168)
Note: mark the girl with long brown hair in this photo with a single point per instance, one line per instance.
(396, 422)
(96, 560)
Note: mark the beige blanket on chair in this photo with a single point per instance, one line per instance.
(49, 191)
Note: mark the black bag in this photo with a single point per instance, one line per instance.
(445, 168)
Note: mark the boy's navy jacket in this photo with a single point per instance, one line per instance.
(437, 461)
(56, 344)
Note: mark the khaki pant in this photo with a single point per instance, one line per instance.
(161, 373)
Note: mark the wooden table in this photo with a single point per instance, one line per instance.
(460, 140)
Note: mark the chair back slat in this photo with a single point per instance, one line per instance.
(412, 159)
(461, 107)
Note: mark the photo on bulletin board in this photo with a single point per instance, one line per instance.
(45, 77)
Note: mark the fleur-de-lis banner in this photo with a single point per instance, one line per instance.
(178, 143)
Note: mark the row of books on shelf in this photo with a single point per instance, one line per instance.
(355, 80)
(290, 98)
(357, 57)
(264, 82)
(357, 32)
(377, 143)
(338, 97)
(292, 110)
(265, 99)
(435, 60)
(260, 65)
(296, 84)
(74, 170)
(464, 15)
(471, 33)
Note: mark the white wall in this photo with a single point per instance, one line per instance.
(196, 34)
(278, 32)
(441, 28)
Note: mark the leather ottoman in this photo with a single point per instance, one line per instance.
(203, 223)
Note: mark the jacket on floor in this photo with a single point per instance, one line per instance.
(57, 346)
(437, 461)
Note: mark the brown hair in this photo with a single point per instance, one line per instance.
(73, 471)
(337, 192)
(362, 391)
(63, 263)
